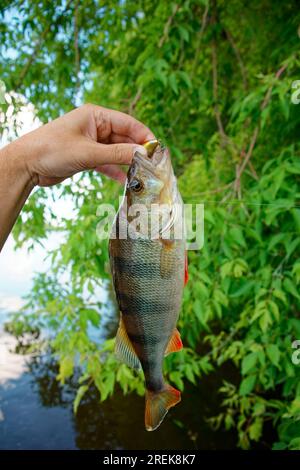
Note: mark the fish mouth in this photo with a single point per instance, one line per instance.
(150, 146)
(157, 156)
(157, 164)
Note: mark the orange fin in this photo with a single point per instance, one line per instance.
(124, 350)
(158, 404)
(175, 343)
(186, 271)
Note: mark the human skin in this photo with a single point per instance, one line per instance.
(88, 138)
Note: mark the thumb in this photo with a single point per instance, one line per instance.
(117, 154)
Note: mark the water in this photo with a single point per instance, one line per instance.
(36, 412)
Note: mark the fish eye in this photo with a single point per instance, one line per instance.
(136, 185)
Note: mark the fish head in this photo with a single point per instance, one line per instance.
(150, 179)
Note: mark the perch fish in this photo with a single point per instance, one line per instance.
(149, 274)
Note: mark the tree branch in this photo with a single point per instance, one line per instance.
(37, 48)
(199, 39)
(255, 134)
(167, 26)
(135, 100)
(239, 58)
(216, 92)
(76, 47)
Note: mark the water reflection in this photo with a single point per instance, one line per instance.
(39, 415)
(12, 365)
(37, 412)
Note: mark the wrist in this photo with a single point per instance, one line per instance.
(15, 166)
(16, 185)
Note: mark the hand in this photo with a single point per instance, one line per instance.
(90, 137)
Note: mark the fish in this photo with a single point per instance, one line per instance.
(149, 274)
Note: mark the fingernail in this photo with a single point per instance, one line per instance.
(141, 150)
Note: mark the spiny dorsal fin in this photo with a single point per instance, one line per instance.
(124, 350)
(175, 343)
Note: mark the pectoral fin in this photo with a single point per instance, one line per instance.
(124, 350)
(175, 343)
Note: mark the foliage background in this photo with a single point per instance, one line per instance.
(213, 80)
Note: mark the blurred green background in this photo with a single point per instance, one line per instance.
(214, 81)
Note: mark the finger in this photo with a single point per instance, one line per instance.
(117, 154)
(119, 139)
(113, 171)
(123, 124)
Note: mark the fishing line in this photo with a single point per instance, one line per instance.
(246, 203)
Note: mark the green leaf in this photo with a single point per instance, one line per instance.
(93, 316)
(244, 289)
(184, 33)
(66, 368)
(189, 373)
(173, 83)
(177, 379)
(79, 395)
(279, 294)
(185, 78)
(290, 288)
(279, 446)
(255, 429)
(162, 77)
(284, 105)
(259, 408)
(2, 92)
(265, 321)
(296, 271)
(249, 362)
(275, 240)
(247, 385)
(236, 234)
(273, 354)
(295, 444)
(220, 297)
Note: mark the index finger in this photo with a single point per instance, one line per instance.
(123, 124)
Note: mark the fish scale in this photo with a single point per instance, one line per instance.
(148, 276)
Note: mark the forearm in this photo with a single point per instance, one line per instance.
(88, 138)
(15, 187)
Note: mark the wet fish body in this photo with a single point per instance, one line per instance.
(149, 276)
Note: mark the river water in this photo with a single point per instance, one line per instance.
(36, 411)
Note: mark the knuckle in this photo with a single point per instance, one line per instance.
(89, 106)
(119, 154)
(103, 124)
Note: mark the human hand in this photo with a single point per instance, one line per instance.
(89, 137)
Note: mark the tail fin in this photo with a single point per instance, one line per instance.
(158, 404)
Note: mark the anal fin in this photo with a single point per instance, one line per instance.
(124, 350)
(175, 343)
